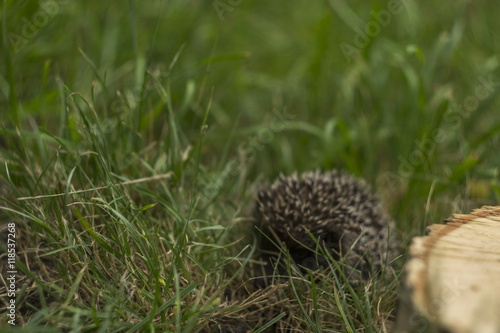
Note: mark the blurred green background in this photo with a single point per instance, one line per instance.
(386, 114)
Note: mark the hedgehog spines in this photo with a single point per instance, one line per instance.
(334, 206)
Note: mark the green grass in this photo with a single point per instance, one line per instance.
(134, 136)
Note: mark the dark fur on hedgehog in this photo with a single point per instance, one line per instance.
(337, 209)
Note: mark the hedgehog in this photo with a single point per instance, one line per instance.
(337, 209)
